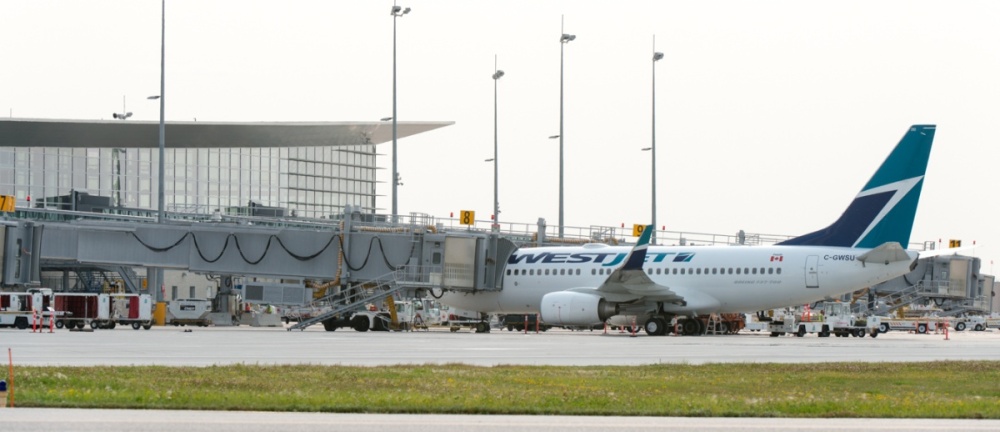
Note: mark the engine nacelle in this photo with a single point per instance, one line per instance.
(575, 308)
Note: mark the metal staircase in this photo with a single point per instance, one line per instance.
(130, 277)
(357, 296)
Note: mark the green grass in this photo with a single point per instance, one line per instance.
(911, 390)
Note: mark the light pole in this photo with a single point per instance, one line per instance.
(565, 39)
(158, 272)
(657, 56)
(397, 11)
(496, 161)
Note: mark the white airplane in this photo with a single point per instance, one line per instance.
(588, 284)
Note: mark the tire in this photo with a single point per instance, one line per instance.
(147, 326)
(883, 328)
(960, 326)
(801, 332)
(724, 328)
(21, 323)
(60, 324)
(135, 326)
(482, 328)
(112, 325)
(80, 325)
(690, 327)
(329, 324)
(774, 334)
(655, 326)
(922, 328)
(825, 332)
(360, 323)
(979, 327)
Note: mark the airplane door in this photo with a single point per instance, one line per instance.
(812, 271)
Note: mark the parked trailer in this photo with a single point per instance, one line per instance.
(918, 325)
(189, 311)
(79, 310)
(135, 310)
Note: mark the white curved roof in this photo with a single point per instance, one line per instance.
(194, 134)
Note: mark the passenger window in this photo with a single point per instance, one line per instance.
(714, 270)
(779, 270)
(746, 270)
(755, 270)
(508, 272)
(675, 271)
(770, 271)
(578, 272)
(593, 271)
(730, 270)
(738, 270)
(698, 271)
(562, 272)
(762, 270)
(531, 272)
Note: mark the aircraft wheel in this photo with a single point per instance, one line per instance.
(655, 326)
(960, 326)
(689, 327)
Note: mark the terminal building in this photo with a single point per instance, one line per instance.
(311, 170)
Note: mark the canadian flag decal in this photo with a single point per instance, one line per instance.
(777, 257)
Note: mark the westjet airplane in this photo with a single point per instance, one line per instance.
(586, 285)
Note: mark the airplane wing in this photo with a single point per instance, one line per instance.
(630, 282)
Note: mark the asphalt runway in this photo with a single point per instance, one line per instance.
(204, 346)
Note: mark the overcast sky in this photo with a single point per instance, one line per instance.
(771, 115)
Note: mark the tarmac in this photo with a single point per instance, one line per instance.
(205, 346)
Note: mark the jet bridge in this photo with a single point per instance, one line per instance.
(351, 250)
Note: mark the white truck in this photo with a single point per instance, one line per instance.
(829, 318)
(22, 309)
(977, 323)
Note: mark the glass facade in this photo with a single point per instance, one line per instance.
(306, 181)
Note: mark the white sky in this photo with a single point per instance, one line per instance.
(771, 114)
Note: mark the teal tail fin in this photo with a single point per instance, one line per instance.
(885, 208)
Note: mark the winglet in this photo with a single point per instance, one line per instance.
(637, 256)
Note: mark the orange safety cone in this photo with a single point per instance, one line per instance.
(633, 326)
(946, 330)
(605, 327)
(52, 323)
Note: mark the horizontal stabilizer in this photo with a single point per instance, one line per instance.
(886, 253)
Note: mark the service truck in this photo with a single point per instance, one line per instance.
(22, 309)
(825, 319)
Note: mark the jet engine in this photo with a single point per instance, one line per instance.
(575, 308)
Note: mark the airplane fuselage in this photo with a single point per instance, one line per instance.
(710, 279)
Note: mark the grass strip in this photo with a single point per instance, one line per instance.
(951, 389)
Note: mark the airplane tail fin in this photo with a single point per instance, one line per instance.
(885, 208)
